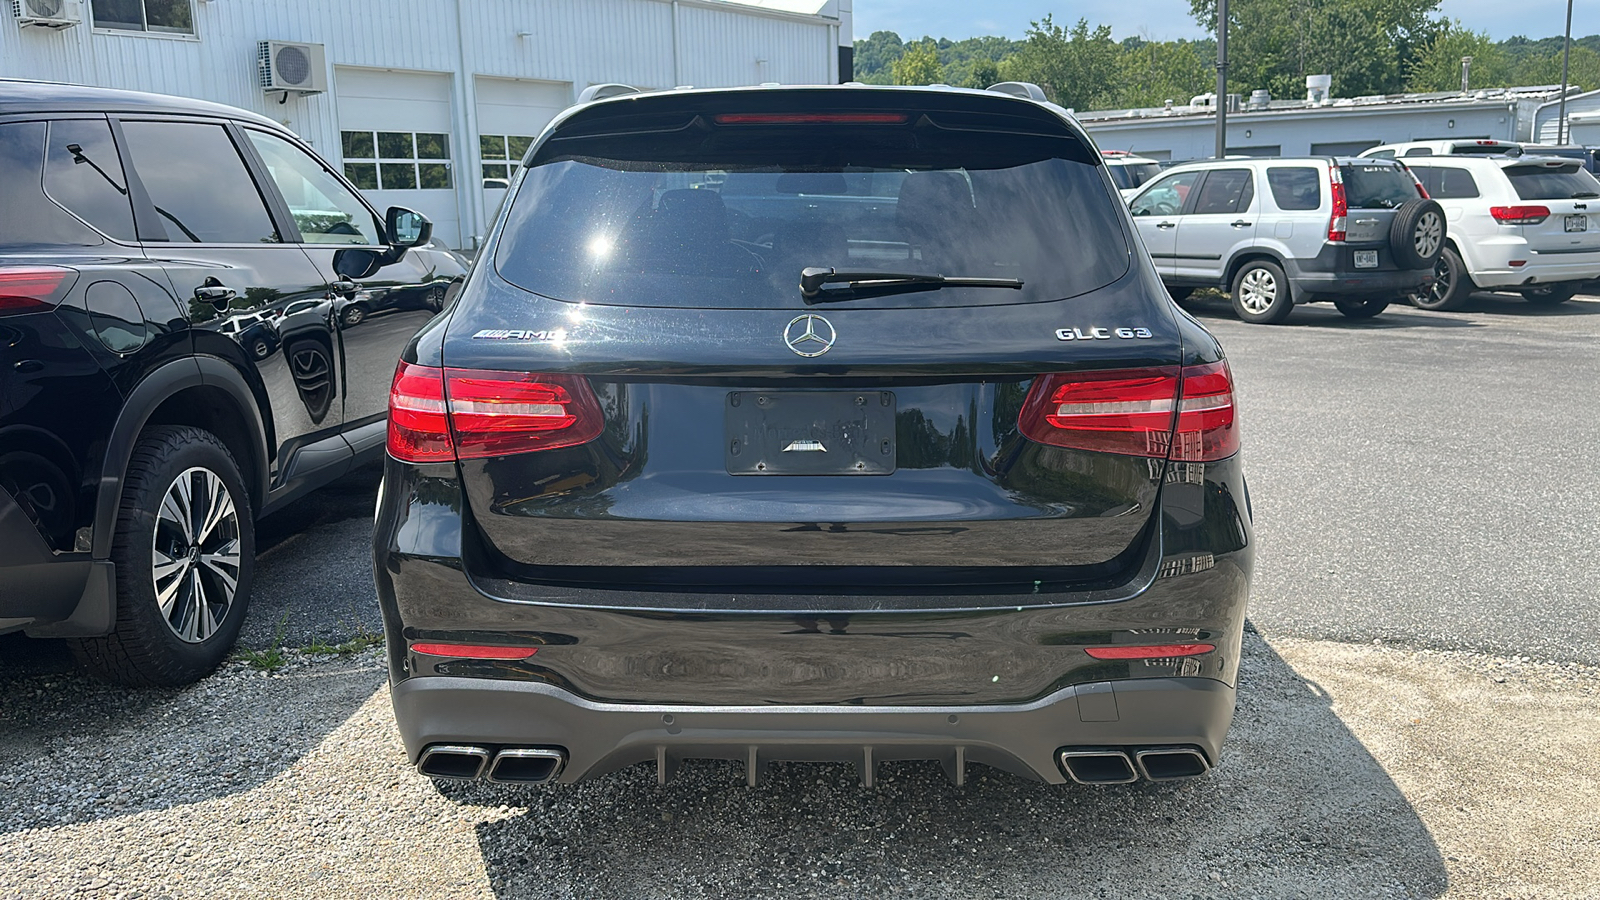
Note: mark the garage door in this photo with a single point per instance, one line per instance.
(395, 133)
(511, 114)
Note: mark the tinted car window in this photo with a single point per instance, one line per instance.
(1225, 191)
(730, 219)
(83, 173)
(1448, 183)
(1565, 183)
(1165, 197)
(325, 211)
(198, 182)
(1295, 188)
(1377, 186)
(27, 217)
(1133, 175)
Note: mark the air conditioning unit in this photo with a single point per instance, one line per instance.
(47, 13)
(292, 67)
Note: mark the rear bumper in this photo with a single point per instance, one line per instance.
(1333, 273)
(1023, 738)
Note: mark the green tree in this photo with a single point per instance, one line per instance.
(1078, 68)
(1438, 67)
(984, 72)
(919, 65)
(1366, 45)
(874, 56)
(1154, 72)
(1545, 68)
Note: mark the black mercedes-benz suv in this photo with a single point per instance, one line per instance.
(814, 423)
(189, 339)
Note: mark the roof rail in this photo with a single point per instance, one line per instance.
(1027, 90)
(602, 91)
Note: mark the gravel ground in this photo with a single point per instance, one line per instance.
(1351, 771)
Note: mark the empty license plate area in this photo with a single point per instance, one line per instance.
(1366, 259)
(809, 433)
(1577, 223)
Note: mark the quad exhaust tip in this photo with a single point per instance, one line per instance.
(457, 763)
(1098, 766)
(1088, 765)
(1172, 763)
(526, 766)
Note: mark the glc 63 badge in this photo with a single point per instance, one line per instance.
(1102, 334)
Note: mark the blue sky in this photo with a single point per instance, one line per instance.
(1170, 19)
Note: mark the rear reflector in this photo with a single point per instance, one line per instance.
(474, 651)
(1152, 651)
(440, 415)
(810, 118)
(1164, 413)
(26, 289)
(1519, 215)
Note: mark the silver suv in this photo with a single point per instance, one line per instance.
(1276, 232)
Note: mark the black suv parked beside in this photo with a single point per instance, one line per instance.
(814, 423)
(177, 359)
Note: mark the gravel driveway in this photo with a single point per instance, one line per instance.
(1350, 772)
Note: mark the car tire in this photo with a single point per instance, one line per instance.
(1361, 309)
(1451, 285)
(182, 586)
(435, 299)
(1261, 293)
(1552, 294)
(353, 315)
(1416, 236)
(260, 349)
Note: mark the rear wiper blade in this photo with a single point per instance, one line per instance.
(1584, 195)
(872, 284)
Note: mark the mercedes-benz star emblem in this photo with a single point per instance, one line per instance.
(809, 335)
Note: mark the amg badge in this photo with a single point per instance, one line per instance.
(502, 334)
(1101, 334)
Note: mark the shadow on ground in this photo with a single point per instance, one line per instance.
(1481, 310)
(1299, 808)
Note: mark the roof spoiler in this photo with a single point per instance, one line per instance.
(602, 91)
(1027, 90)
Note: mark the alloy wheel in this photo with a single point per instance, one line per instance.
(195, 554)
(1257, 290)
(1429, 235)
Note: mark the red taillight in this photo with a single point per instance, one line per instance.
(474, 651)
(810, 118)
(1341, 209)
(1519, 215)
(496, 413)
(419, 431)
(441, 415)
(26, 289)
(1182, 414)
(1151, 651)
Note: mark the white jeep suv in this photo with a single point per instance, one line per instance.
(1276, 232)
(1529, 224)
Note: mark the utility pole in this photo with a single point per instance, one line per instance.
(1222, 78)
(1566, 54)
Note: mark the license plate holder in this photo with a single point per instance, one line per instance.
(809, 433)
(1366, 259)
(1576, 224)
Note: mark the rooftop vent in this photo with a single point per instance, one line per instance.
(1260, 99)
(1319, 90)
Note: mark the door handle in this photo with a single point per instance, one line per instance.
(215, 293)
(1166, 224)
(1240, 224)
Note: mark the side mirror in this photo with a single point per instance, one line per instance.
(406, 227)
(356, 263)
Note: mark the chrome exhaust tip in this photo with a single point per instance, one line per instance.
(527, 766)
(1172, 763)
(457, 763)
(1098, 766)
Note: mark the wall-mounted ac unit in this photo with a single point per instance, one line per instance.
(292, 66)
(47, 13)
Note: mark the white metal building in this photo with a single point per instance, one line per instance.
(423, 102)
(1323, 126)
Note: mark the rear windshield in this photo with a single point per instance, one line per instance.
(1377, 186)
(1554, 184)
(727, 215)
(1133, 174)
